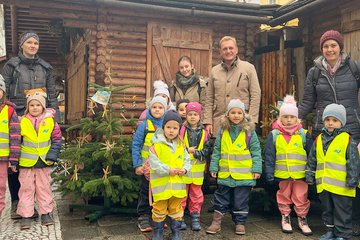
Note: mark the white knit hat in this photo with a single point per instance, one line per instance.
(157, 99)
(235, 103)
(289, 107)
(38, 94)
(161, 88)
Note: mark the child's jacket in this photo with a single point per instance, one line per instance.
(334, 163)
(253, 157)
(286, 157)
(10, 139)
(163, 156)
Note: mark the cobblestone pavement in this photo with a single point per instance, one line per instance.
(10, 229)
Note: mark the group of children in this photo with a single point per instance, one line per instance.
(30, 145)
(170, 150)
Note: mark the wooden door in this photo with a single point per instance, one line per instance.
(166, 43)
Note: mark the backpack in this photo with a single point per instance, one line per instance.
(275, 134)
(353, 68)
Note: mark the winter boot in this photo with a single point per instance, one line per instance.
(13, 214)
(304, 227)
(240, 229)
(144, 223)
(175, 229)
(216, 223)
(25, 223)
(46, 220)
(183, 224)
(329, 235)
(158, 230)
(195, 223)
(286, 224)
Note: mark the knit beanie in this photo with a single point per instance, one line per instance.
(235, 103)
(28, 35)
(161, 88)
(2, 84)
(334, 35)
(172, 115)
(38, 94)
(335, 110)
(194, 106)
(158, 99)
(289, 107)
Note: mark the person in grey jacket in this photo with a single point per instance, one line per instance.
(22, 72)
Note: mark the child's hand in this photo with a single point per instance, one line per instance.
(49, 162)
(181, 172)
(256, 176)
(139, 171)
(173, 171)
(191, 150)
(213, 174)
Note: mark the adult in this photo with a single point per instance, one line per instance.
(231, 79)
(188, 83)
(334, 83)
(27, 71)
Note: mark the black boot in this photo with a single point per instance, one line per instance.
(175, 229)
(158, 230)
(195, 223)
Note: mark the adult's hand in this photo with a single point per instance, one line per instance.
(209, 128)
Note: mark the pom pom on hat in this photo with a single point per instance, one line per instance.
(161, 88)
(235, 103)
(289, 106)
(2, 84)
(171, 115)
(194, 106)
(334, 35)
(335, 110)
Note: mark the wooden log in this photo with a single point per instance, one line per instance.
(102, 43)
(127, 35)
(142, 28)
(128, 67)
(127, 59)
(125, 44)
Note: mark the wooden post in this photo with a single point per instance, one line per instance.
(101, 45)
(14, 35)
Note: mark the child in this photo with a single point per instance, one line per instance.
(41, 144)
(198, 145)
(181, 108)
(169, 161)
(236, 161)
(333, 165)
(10, 141)
(140, 151)
(285, 159)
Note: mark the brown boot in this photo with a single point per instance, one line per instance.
(240, 229)
(216, 223)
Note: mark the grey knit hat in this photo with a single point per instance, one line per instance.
(2, 84)
(28, 35)
(335, 110)
(235, 103)
(158, 99)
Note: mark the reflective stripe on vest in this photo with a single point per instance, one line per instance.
(165, 187)
(196, 173)
(290, 157)
(34, 144)
(4, 132)
(235, 158)
(331, 168)
(147, 142)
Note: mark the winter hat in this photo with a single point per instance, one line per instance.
(172, 115)
(334, 35)
(158, 99)
(235, 103)
(161, 88)
(2, 84)
(335, 110)
(194, 106)
(28, 35)
(289, 107)
(38, 94)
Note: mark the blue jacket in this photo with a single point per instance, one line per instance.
(139, 137)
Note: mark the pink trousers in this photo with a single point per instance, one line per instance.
(3, 178)
(35, 182)
(293, 192)
(194, 198)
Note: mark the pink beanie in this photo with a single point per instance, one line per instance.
(161, 88)
(289, 106)
(194, 106)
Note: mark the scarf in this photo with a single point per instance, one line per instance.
(287, 131)
(331, 70)
(185, 82)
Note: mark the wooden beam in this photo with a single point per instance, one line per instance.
(350, 26)
(14, 34)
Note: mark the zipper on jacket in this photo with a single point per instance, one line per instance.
(16, 86)
(317, 119)
(331, 85)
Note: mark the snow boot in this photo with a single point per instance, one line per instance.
(216, 223)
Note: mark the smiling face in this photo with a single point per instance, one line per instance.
(331, 123)
(30, 47)
(182, 109)
(35, 108)
(193, 119)
(185, 68)
(236, 115)
(331, 51)
(288, 120)
(228, 51)
(171, 130)
(157, 110)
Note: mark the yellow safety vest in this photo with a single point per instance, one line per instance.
(331, 168)
(196, 174)
(165, 187)
(290, 157)
(35, 145)
(235, 159)
(4, 132)
(147, 142)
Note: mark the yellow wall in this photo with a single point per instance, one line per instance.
(280, 2)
